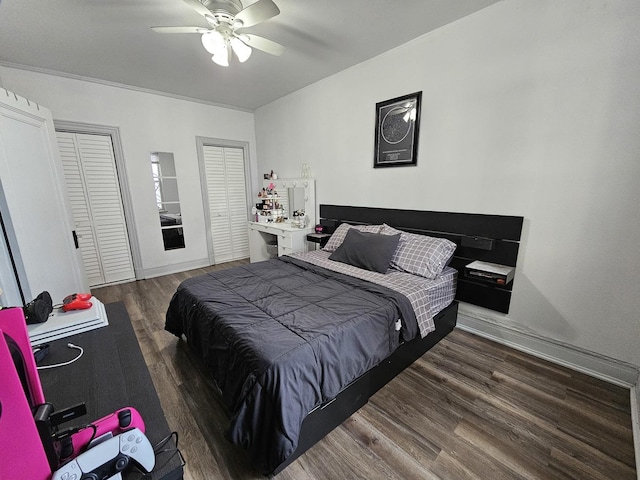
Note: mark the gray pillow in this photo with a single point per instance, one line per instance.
(371, 251)
(337, 237)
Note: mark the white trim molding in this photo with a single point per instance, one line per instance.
(176, 268)
(635, 422)
(83, 78)
(599, 366)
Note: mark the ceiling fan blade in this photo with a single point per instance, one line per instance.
(198, 7)
(262, 43)
(257, 12)
(179, 29)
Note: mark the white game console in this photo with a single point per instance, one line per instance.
(108, 459)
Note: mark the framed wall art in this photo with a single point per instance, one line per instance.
(397, 127)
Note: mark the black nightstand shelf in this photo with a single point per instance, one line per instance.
(321, 238)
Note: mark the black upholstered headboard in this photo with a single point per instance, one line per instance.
(489, 238)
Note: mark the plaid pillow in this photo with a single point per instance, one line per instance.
(337, 237)
(420, 254)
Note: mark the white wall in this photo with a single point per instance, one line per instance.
(529, 108)
(148, 123)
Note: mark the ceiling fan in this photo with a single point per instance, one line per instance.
(225, 19)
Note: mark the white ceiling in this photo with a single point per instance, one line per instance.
(111, 40)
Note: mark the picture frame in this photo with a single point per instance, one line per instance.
(397, 127)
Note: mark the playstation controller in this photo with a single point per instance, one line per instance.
(113, 424)
(110, 458)
(76, 301)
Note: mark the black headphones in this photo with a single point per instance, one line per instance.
(39, 309)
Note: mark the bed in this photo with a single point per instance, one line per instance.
(298, 343)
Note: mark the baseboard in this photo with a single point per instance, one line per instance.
(635, 423)
(176, 268)
(596, 365)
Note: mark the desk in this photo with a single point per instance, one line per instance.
(110, 375)
(289, 238)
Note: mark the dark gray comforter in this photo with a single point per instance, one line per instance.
(281, 337)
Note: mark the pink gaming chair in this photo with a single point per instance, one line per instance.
(22, 454)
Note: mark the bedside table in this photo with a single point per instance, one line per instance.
(319, 238)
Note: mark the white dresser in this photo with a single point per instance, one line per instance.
(287, 237)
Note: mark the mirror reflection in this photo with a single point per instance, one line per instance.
(296, 199)
(167, 199)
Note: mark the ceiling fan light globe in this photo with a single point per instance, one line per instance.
(222, 60)
(242, 50)
(213, 41)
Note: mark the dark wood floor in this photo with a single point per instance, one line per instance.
(468, 409)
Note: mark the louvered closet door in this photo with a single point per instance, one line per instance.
(96, 204)
(237, 197)
(80, 207)
(227, 202)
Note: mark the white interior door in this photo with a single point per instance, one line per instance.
(35, 211)
(96, 204)
(227, 202)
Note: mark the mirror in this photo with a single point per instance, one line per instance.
(296, 194)
(296, 199)
(165, 184)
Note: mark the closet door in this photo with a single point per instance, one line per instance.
(96, 204)
(227, 204)
(237, 201)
